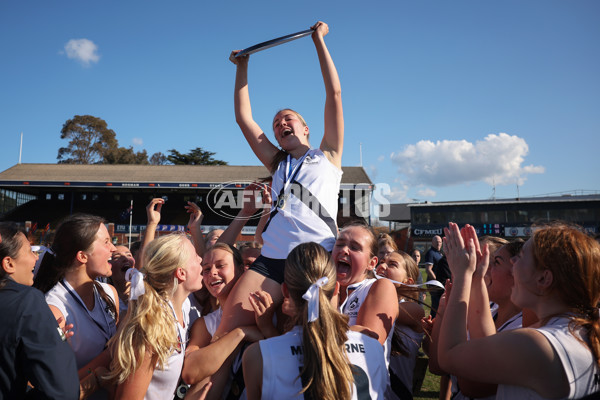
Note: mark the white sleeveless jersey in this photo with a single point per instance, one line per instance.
(92, 329)
(577, 360)
(213, 320)
(297, 223)
(164, 382)
(282, 360)
(351, 307)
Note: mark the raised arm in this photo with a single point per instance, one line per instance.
(195, 226)
(333, 137)
(258, 141)
(251, 200)
(153, 212)
(380, 309)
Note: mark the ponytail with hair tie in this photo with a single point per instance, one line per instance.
(312, 297)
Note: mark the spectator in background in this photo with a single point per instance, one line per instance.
(250, 252)
(121, 261)
(432, 256)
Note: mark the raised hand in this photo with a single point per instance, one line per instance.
(320, 29)
(263, 306)
(239, 61)
(468, 233)
(462, 257)
(196, 215)
(153, 210)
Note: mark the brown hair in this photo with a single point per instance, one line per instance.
(385, 239)
(9, 245)
(493, 242)
(76, 233)
(574, 260)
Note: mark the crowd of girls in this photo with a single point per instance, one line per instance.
(531, 310)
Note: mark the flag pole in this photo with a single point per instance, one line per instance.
(130, 221)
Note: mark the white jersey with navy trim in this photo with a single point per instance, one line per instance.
(578, 362)
(296, 223)
(351, 307)
(282, 360)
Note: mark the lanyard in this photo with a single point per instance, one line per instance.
(289, 175)
(178, 327)
(106, 333)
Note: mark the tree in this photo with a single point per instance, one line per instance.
(196, 156)
(89, 140)
(158, 159)
(122, 155)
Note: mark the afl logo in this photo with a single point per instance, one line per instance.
(353, 304)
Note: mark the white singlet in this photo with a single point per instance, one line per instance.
(213, 320)
(91, 329)
(164, 382)
(282, 359)
(296, 223)
(351, 307)
(577, 360)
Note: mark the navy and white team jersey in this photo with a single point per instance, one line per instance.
(283, 359)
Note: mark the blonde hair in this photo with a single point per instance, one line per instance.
(151, 327)
(326, 372)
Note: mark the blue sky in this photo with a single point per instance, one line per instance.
(446, 97)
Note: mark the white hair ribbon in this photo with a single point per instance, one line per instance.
(137, 283)
(312, 297)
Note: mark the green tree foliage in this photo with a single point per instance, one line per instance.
(122, 155)
(196, 156)
(158, 159)
(89, 140)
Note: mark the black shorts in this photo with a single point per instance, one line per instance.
(271, 268)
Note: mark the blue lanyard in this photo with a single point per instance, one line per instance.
(111, 331)
(291, 174)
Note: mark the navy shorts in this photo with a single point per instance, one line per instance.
(271, 268)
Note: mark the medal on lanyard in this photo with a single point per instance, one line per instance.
(282, 201)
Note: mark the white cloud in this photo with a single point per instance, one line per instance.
(82, 50)
(380, 158)
(137, 141)
(495, 159)
(426, 193)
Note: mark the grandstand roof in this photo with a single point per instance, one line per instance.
(147, 175)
